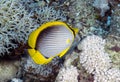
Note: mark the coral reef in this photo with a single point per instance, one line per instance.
(8, 70)
(82, 14)
(115, 24)
(81, 11)
(16, 80)
(93, 57)
(29, 64)
(68, 74)
(96, 61)
(111, 75)
(102, 5)
(113, 38)
(41, 12)
(98, 31)
(16, 22)
(47, 14)
(113, 48)
(42, 73)
(31, 5)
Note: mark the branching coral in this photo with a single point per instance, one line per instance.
(93, 57)
(46, 14)
(96, 61)
(111, 75)
(68, 74)
(41, 12)
(30, 5)
(16, 23)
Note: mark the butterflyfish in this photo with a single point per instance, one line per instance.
(50, 40)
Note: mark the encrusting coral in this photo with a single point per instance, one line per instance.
(102, 5)
(96, 61)
(115, 22)
(16, 80)
(113, 38)
(43, 73)
(82, 12)
(8, 70)
(35, 68)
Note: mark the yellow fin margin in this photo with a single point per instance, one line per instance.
(33, 36)
(38, 58)
(76, 30)
(63, 52)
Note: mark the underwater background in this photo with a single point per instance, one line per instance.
(94, 55)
